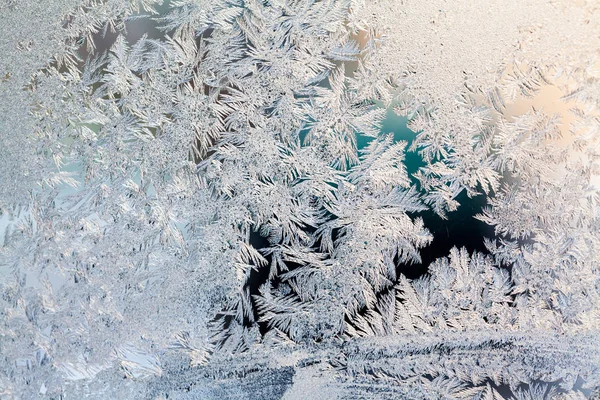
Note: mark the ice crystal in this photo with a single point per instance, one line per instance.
(199, 199)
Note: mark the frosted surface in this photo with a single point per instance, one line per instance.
(208, 199)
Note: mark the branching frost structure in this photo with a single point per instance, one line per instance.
(198, 200)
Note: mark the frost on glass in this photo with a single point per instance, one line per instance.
(202, 199)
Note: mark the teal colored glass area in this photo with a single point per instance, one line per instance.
(460, 229)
